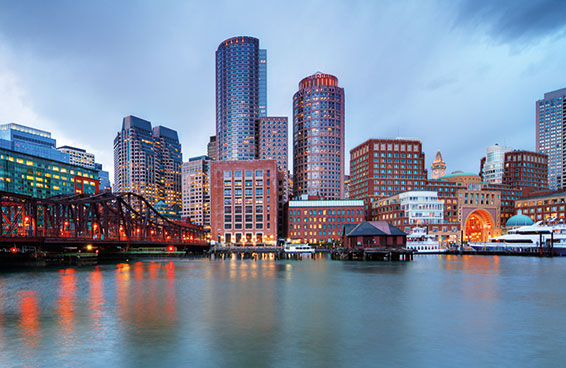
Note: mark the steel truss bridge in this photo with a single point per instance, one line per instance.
(104, 221)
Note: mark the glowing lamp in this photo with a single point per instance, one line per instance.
(14, 250)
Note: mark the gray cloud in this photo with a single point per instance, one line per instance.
(514, 21)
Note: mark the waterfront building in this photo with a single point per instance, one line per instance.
(31, 165)
(244, 202)
(318, 137)
(438, 166)
(31, 141)
(196, 190)
(147, 161)
(492, 166)
(418, 208)
(373, 234)
(211, 148)
(82, 158)
(168, 164)
(319, 221)
(384, 167)
(547, 206)
(346, 186)
(550, 123)
(237, 98)
(262, 82)
(525, 170)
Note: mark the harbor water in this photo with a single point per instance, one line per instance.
(436, 311)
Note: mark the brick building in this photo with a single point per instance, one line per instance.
(322, 221)
(244, 202)
(525, 170)
(383, 167)
(547, 206)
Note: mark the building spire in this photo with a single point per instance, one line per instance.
(438, 166)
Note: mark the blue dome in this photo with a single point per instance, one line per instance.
(519, 220)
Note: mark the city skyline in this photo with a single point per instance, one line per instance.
(474, 67)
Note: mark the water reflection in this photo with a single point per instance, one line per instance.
(29, 318)
(66, 302)
(96, 299)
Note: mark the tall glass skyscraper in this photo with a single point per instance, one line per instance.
(237, 98)
(318, 137)
(262, 82)
(550, 124)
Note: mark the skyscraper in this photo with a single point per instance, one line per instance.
(211, 148)
(148, 162)
(492, 165)
(196, 190)
(550, 122)
(237, 98)
(318, 137)
(262, 82)
(273, 140)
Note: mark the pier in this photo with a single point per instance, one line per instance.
(372, 254)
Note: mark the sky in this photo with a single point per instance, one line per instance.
(458, 75)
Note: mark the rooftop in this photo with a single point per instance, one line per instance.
(327, 203)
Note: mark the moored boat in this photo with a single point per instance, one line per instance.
(423, 243)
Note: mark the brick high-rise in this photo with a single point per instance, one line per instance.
(385, 167)
(318, 137)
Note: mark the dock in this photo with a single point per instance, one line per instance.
(372, 254)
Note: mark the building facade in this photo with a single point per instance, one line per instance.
(196, 190)
(550, 124)
(273, 140)
(237, 98)
(82, 158)
(211, 148)
(549, 207)
(318, 137)
(384, 167)
(525, 170)
(262, 82)
(322, 221)
(147, 161)
(492, 166)
(31, 165)
(244, 202)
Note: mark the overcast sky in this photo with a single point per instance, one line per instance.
(459, 76)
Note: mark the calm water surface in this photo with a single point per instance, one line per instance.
(437, 311)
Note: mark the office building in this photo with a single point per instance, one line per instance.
(318, 137)
(321, 221)
(211, 148)
(78, 156)
(196, 190)
(31, 165)
(525, 170)
(244, 202)
(147, 161)
(384, 167)
(262, 82)
(492, 165)
(237, 98)
(273, 140)
(550, 124)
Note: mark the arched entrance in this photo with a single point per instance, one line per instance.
(478, 227)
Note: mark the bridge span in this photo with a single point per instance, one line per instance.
(102, 225)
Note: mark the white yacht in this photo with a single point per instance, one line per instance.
(528, 239)
(298, 248)
(423, 243)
